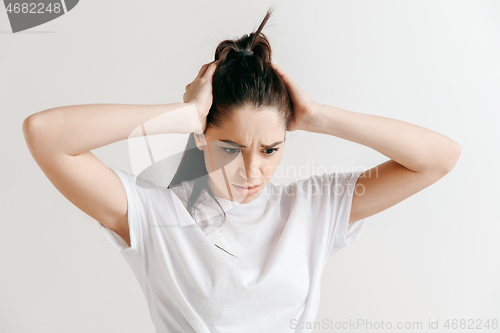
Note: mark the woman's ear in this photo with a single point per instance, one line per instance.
(200, 140)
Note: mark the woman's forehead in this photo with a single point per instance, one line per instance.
(248, 127)
(248, 134)
(248, 120)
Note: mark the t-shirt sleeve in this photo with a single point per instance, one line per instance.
(329, 199)
(137, 192)
(344, 234)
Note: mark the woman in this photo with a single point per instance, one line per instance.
(221, 249)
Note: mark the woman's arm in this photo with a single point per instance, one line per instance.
(416, 148)
(60, 141)
(418, 156)
(77, 129)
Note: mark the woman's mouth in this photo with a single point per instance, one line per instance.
(247, 190)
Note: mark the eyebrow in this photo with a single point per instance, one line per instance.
(262, 145)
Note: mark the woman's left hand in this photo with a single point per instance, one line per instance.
(304, 107)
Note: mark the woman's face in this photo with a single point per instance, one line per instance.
(244, 151)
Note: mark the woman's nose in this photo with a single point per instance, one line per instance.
(250, 170)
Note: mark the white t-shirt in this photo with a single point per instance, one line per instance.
(278, 245)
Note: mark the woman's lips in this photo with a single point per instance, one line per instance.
(247, 190)
(246, 186)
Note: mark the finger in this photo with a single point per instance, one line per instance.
(279, 70)
(289, 81)
(284, 76)
(202, 71)
(211, 69)
(275, 66)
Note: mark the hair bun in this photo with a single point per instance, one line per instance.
(244, 53)
(254, 45)
(239, 54)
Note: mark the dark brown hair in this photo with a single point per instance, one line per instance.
(237, 82)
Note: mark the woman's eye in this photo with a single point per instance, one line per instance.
(272, 151)
(230, 151)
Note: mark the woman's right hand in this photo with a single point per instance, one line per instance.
(199, 92)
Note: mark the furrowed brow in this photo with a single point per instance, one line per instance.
(272, 145)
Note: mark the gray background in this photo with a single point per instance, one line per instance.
(430, 63)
